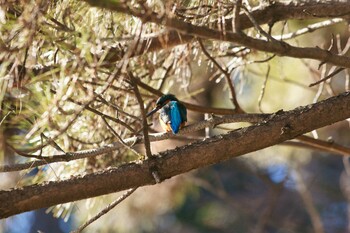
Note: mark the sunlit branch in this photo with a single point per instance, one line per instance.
(69, 156)
(309, 28)
(236, 21)
(277, 47)
(279, 127)
(263, 87)
(115, 134)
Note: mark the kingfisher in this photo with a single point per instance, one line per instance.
(173, 114)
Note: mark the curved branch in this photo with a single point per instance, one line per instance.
(272, 13)
(280, 127)
(170, 38)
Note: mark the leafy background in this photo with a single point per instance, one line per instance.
(58, 56)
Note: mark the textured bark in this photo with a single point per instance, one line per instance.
(181, 32)
(280, 127)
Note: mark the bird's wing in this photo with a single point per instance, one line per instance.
(175, 116)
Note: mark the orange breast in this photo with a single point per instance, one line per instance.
(164, 125)
(167, 127)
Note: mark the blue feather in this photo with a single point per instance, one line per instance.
(175, 116)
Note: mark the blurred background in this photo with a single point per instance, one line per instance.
(282, 189)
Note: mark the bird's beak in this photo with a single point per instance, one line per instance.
(153, 111)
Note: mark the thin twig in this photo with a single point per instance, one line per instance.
(236, 24)
(320, 87)
(324, 145)
(143, 113)
(257, 26)
(306, 196)
(263, 87)
(104, 101)
(119, 138)
(88, 108)
(7, 114)
(189, 106)
(327, 77)
(238, 109)
(309, 28)
(105, 210)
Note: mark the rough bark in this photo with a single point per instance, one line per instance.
(280, 127)
(181, 32)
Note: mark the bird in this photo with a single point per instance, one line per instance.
(173, 113)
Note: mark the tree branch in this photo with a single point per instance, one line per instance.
(105, 210)
(229, 82)
(193, 107)
(309, 28)
(280, 127)
(70, 156)
(295, 10)
(279, 11)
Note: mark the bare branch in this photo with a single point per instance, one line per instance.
(263, 87)
(279, 48)
(309, 28)
(143, 114)
(256, 25)
(327, 77)
(236, 23)
(308, 201)
(105, 210)
(70, 156)
(279, 128)
(325, 145)
(238, 109)
(119, 138)
(193, 107)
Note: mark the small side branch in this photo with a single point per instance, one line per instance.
(325, 145)
(263, 87)
(308, 201)
(236, 23)
(256, 25)
(189, 106)
(105, 210)
(309, 28)
(238, 109)
(115, 134)
(327, 77)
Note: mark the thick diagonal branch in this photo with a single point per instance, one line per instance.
(280, 127)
